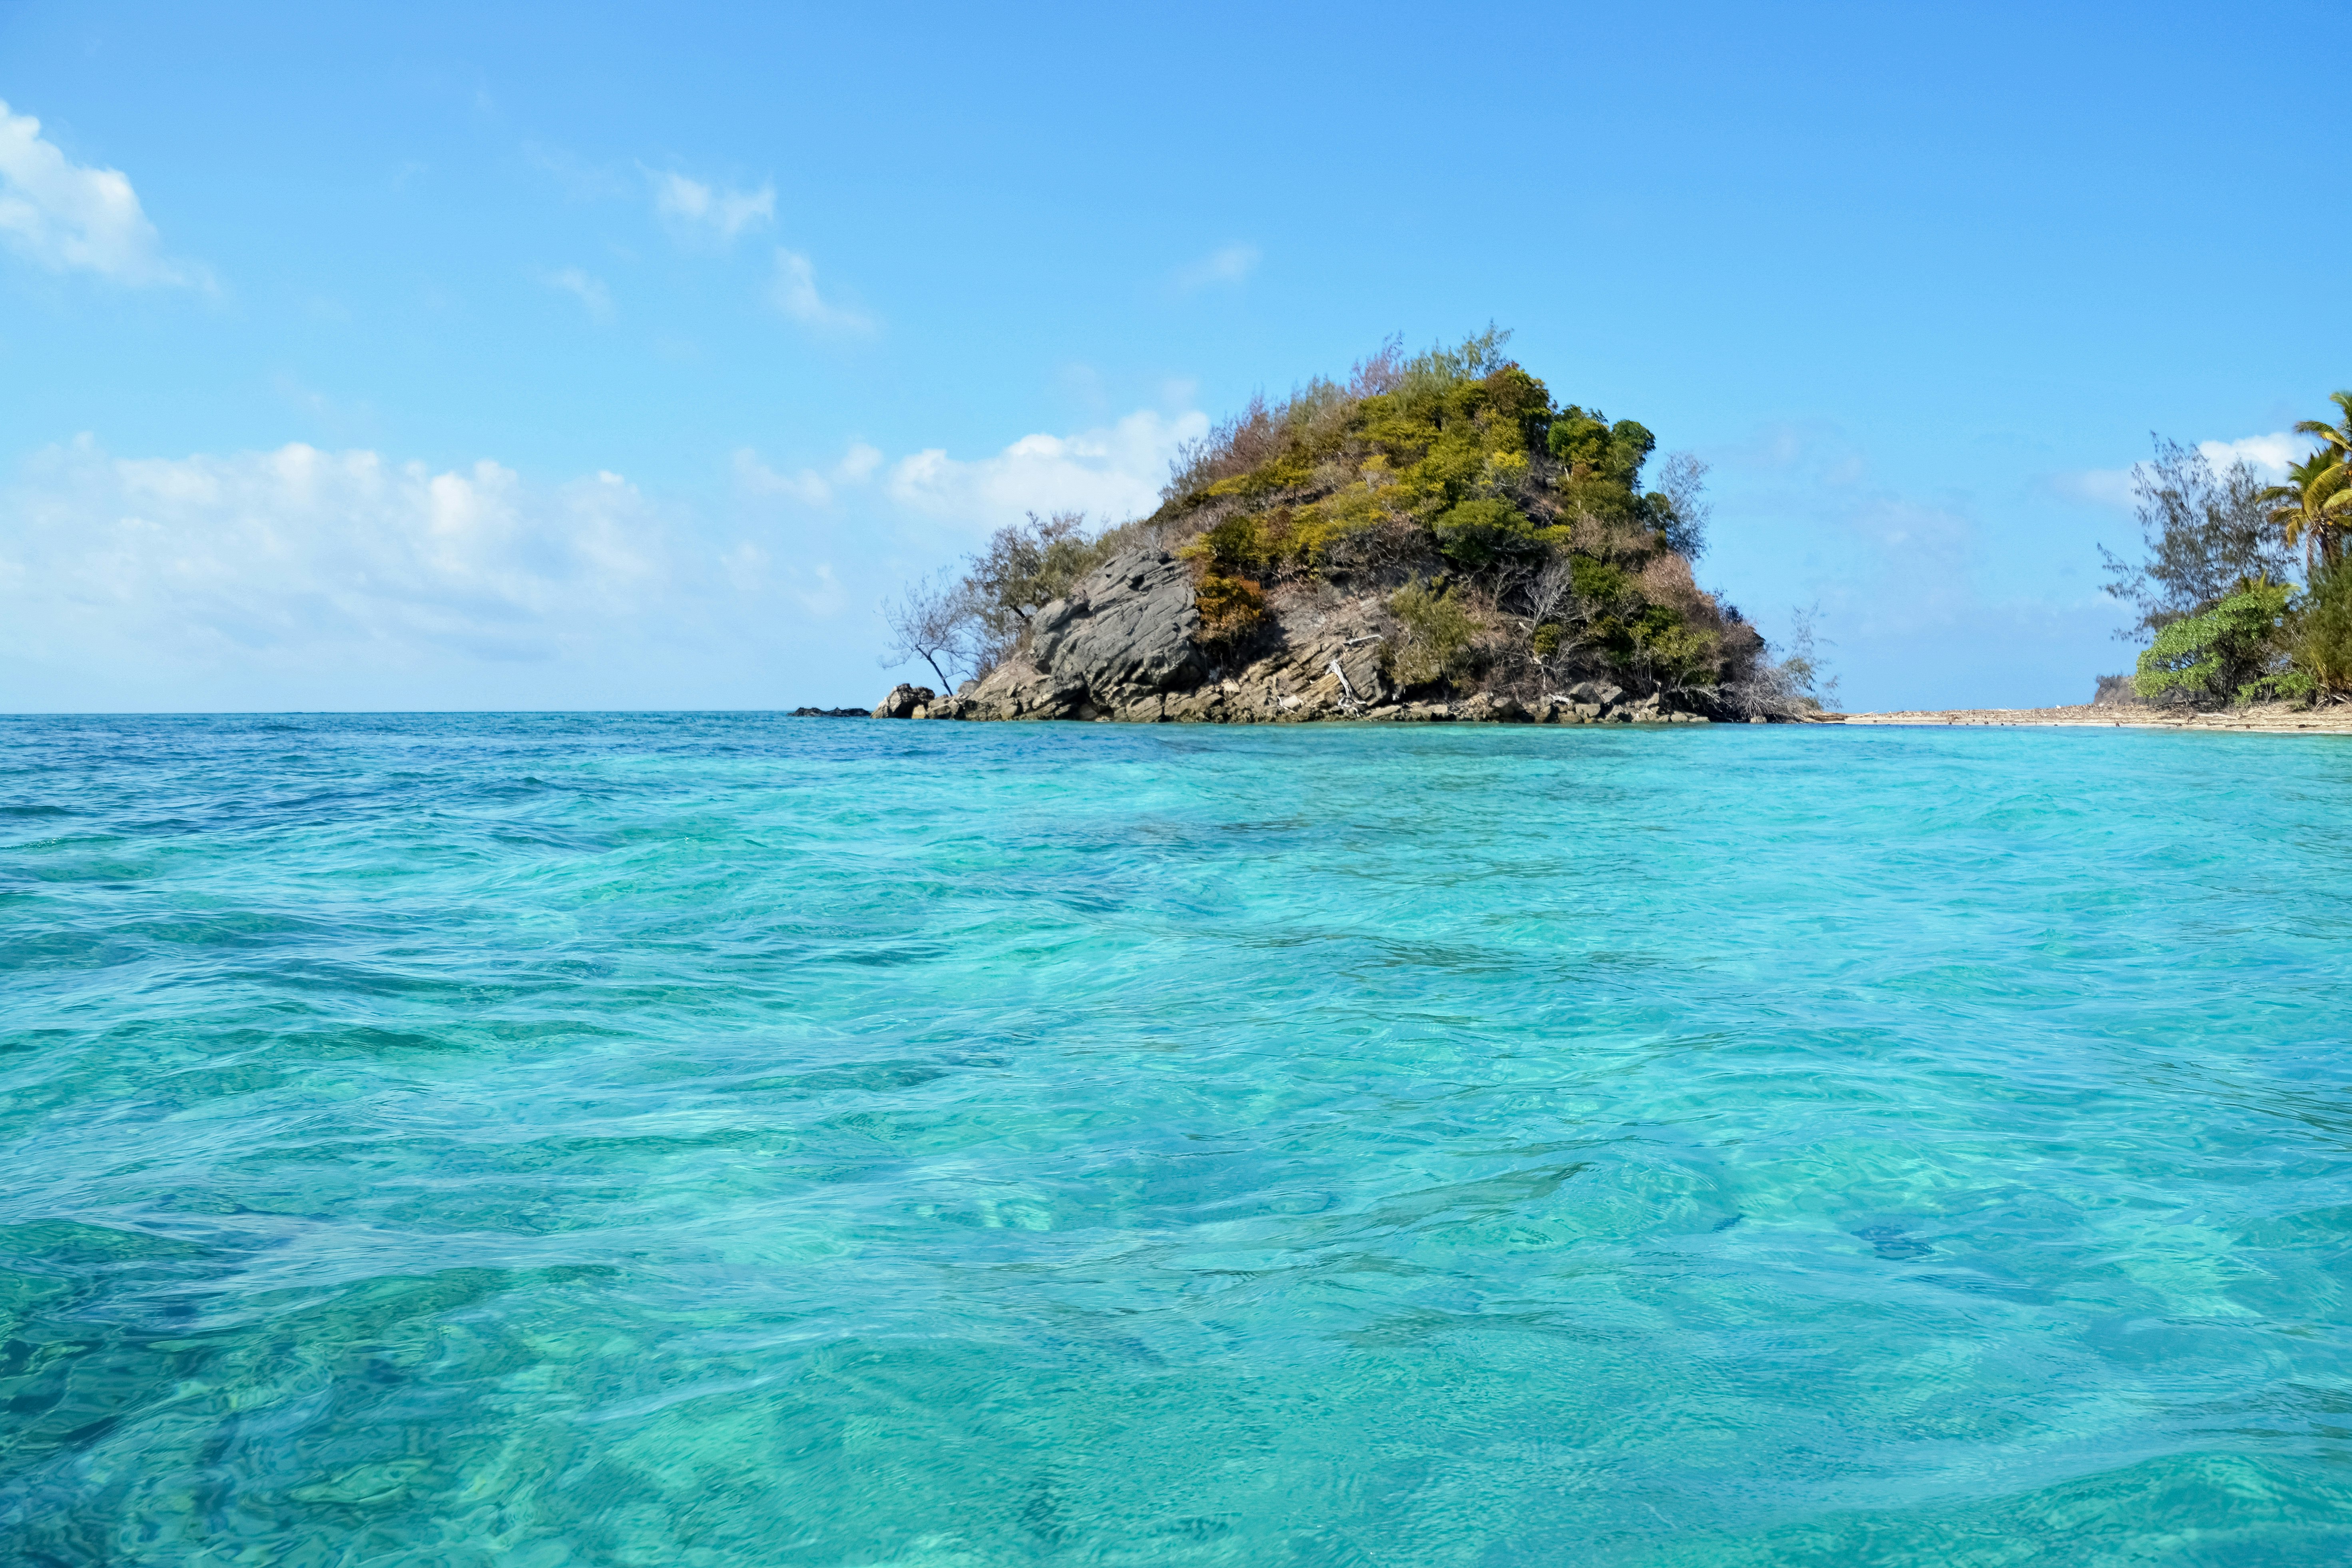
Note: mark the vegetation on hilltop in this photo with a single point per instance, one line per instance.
(1509, 538)
(2225, 622)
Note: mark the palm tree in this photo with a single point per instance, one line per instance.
(2332, 437)
(2313, 509)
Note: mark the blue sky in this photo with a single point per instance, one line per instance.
(577, 357)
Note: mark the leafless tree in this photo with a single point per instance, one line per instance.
(1681, 480)
(1551, 588)
(1797, 683)
(932, 622)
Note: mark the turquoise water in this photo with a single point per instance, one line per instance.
(730, 1139)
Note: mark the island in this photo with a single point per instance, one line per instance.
(1436, 537)
(1433, 538)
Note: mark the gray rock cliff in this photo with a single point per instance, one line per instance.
(1125, 645)
(1124, 636)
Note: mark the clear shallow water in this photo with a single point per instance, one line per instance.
(744, 1140)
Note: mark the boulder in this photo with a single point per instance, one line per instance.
(1483, 708)
(1596, 693)
(1704, 702)
(903, 700)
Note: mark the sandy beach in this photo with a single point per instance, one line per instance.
(2268, 718)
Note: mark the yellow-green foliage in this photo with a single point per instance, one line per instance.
(1468, 451)
(1600, 584)
(1460, 441)
(1675, 652)
(1438, 631)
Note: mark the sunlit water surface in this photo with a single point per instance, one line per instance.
(728, 1140)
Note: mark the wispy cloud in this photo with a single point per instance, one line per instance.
(794, 292)
(580, 179)
(593, 297)
(2100, 487)
(1225, 265)
(2268, 456)
(754, 477)
(68, 217)
(709, 212)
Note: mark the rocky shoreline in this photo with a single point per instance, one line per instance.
(1127, 644)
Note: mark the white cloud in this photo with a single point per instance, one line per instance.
(307, 577)
(301, 552)
(2270, 456)
(593, 297)
(1228, 264)
(66, 216)
(794, 293)
(708, 211)
(1111, 474)
(754, 477)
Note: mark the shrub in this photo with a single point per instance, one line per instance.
(1438, 631)
(1231, 547)
(1484, 530)
(1459, 441)
(1600, 583)
(1229, 607)
(2319, 638)
(1673, 652)
(2222, 654)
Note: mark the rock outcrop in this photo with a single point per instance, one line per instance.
(1127, 635)
(1127, 643)
(906, 701)
(1129, 630)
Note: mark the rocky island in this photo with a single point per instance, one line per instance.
(1435, 538)
(1126, 644)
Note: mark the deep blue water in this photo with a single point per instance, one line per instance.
(732, 1140)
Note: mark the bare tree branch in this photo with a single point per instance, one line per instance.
(932, 622)
(1682, 477)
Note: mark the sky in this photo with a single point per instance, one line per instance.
(429, 357)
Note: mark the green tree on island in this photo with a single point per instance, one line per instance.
(1509, 541)
(2229, 626)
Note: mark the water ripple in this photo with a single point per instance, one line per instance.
(730, 1139)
